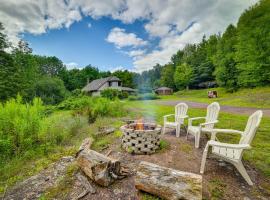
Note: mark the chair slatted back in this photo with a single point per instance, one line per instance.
(212, 114)
(180, 110)
(251, 127)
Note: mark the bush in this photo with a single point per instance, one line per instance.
(51, 90)
(110, 93)
(113, 94)
(147, 96)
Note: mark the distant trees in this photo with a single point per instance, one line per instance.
(183, 76)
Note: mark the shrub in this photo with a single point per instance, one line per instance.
(110, 93)
(51, 90)
(113, 94)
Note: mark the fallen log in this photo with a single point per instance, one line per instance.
(168, 183)
(99, 168)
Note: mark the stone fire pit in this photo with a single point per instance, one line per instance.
(141, 141)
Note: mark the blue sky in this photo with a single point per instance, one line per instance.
(123, 34)
(85, 45)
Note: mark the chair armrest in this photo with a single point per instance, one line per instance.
(165, 116)
(192, 119)
(230, 146)
(208, 123)
(217, 130)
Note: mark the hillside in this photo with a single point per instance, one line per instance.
(256, 98)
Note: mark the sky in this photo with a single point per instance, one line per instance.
(116, 34)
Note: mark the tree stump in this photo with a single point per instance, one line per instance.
(168, 183)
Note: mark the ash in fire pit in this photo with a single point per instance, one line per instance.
(141, 137)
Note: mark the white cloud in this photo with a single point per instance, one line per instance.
(165, 19)
(71, 65)
(114, 69)
(89, 25)
(120, 38)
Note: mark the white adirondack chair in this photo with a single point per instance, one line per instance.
(207, 126)
(179, 117)
(233, 152)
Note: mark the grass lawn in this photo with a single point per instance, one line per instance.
(257, 97)
(258, 156)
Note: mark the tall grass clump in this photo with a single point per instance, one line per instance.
(19, 126)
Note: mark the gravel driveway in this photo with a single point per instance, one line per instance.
(229, 109)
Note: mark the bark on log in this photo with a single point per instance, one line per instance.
(168, 183)
(99, 168)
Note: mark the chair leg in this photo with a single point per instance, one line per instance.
(178, 130)
(240, 167)
(164, 129)
(204, 156)
(197, 140)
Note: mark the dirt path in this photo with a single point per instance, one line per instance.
(229, 109)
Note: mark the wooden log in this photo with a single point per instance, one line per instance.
(99, 168)
(168, 183)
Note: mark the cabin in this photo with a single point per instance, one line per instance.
(95, 87)
(164, 91)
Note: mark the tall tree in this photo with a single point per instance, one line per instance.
(183, 76)
(226, 72)
(167, 76)
(253, 48)
(3, 38)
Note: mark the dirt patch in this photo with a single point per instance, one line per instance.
(220, 181)
(229, 109)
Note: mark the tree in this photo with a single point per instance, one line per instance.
(167, 76)
(253, 46)
(183, 76)
(51, 90)
(126, 77)
(50, 66)
(3, 38)
(226, 72)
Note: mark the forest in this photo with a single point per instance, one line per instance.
(238, 58)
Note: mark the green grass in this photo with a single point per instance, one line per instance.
(258, 156)
(72, 131)
(257, 97)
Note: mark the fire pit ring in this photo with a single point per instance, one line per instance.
(145, 141)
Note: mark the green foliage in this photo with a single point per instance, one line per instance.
(167, 76)
(126, 77)
(182, 76)
(77, 78)
(3, 39)
(51, 90)
(226, 71)
(113, 94)
(93, 106)
(253, 47)
(19, 126)
(164, 145)
(109, 93)
(146, 96)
